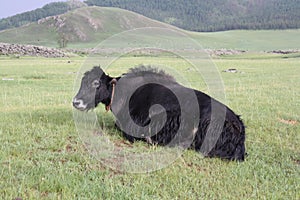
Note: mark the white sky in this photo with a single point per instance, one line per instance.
(12, 7)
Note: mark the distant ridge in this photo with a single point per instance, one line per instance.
(194, 15)
(215, 15)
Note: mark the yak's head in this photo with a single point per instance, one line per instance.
(95, 88)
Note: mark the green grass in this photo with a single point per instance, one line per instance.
(33, 34)
(249, 40)
(43, 157)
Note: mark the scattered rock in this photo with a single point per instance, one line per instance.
(8, 79)
(232, 70)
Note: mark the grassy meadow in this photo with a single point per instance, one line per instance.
(43, 157)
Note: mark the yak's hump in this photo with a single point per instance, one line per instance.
(143, 70)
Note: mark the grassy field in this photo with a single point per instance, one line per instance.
(249, 40)
(42, 156)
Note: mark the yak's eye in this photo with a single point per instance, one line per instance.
(95, 84)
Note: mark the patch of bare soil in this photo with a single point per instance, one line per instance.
(289, 121)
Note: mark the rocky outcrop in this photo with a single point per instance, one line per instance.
(224, 52)
(30, 50)
(285, 51)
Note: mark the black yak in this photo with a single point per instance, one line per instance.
(150, 105)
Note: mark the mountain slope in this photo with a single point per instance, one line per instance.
(87, 25)
(215, 15)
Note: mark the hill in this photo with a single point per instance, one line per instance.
(50, 9)
(215, 15)
(86, 27)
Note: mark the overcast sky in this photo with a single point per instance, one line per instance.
(12, 7)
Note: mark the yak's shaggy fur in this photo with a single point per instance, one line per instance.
(229, 144)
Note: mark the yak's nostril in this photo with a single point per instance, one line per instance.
(79, 104)
(76, 102)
